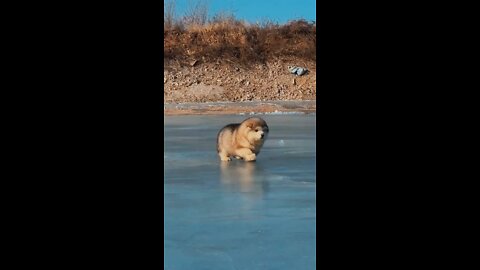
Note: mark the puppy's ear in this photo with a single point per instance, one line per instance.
(249, 124)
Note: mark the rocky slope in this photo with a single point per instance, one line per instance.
(198, 80)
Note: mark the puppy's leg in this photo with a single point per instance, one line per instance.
(246, 154)
(224, 156)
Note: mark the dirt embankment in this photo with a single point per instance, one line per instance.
(235, 62)
(223, 80)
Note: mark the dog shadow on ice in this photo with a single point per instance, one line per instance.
(244, 177)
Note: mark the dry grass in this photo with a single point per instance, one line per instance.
(224, 37)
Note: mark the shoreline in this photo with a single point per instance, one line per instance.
(244, 107)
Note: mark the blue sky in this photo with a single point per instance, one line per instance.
(279, 11)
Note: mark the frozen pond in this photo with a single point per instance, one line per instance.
(239, 215)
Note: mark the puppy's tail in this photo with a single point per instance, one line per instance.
(228, 128)
(218, 144)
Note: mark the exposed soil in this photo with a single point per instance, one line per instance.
(197, 81)
(230, 61)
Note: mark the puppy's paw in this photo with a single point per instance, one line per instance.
(251, 157)
(225, 159)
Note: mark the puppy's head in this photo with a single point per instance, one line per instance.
(256, 129)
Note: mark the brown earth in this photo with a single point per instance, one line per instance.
(198, 81)
(228, 60)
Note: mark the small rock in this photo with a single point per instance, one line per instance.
(293, 81)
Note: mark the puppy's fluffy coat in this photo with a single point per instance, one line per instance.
(243, 140)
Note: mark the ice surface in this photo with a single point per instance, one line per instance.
(239, 215)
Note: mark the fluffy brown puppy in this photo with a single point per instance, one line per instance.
(242, 140)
